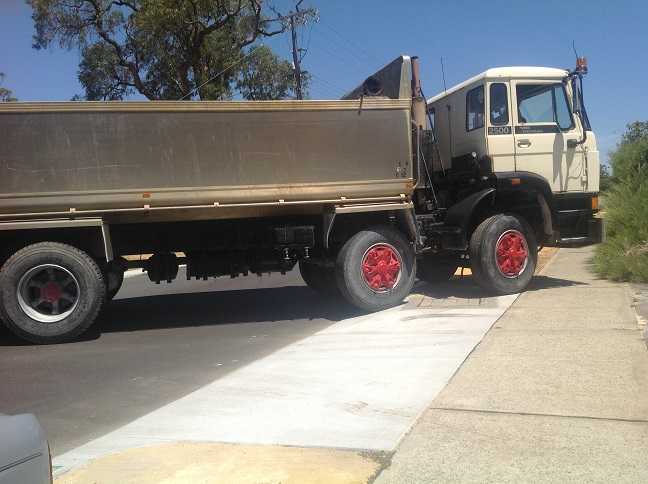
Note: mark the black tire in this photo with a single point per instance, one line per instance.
(517, 272)
(319, 278)
(349, 272)
(435, 270)
(75, 284)
(114, 278)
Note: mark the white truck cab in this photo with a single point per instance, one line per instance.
(522, 118)
(520, 121)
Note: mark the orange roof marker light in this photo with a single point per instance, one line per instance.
(581, 65)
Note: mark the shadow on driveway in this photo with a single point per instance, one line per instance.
(187, 310)
(465, 288)
(221, 307)
(260, 305)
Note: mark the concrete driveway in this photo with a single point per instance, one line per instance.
(253, 361)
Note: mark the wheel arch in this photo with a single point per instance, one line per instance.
(465, 213)
(524, 194)
(529, 196)
(89, 235)
(342, 223)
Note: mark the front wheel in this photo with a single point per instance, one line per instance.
(503, 254)
(50, 292)
(376, 268)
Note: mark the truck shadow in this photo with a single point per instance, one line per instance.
(465, 288)
(262, 305)
(259, 305)
(221, 308)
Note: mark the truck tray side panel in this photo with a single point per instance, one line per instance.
(118, 155)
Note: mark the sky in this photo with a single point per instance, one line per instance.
(354, 38)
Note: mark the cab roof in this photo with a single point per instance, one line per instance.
(516, 72)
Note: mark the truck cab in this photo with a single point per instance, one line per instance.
(527, 125)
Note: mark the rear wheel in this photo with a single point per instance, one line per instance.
(50, 292)
(319, 278)
(503, 254)
(376, 268)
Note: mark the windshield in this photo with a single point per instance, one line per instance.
(543, 103)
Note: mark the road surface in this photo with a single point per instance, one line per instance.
(246, 361)
(150, 350)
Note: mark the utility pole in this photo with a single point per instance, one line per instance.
(296, 56)
(297, 18)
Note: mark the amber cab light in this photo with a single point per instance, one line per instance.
(581, 65)
(595, 203)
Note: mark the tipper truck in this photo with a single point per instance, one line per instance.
(364, 194)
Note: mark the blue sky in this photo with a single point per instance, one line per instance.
(354, 38)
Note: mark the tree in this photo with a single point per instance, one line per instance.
(635, 131)
(263, 76)
(5, 94)
(162, 49)
(605, 178)
(624, 255)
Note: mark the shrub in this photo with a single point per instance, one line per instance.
(624, 255)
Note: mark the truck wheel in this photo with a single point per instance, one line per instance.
(376, 268)
(319, 278)
(435, 270)
(503, 254)
(50, 292)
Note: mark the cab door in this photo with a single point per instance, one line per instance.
(543, 126)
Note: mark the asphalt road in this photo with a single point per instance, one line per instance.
(249, 360)
(149, 349)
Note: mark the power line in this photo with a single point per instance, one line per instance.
(338, 59)
(326, 92)
(252, 51)
(310, 33)
(344, 49)
(332, 87)
(359, 47)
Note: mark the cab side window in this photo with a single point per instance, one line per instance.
(543, 103)
(499, 115)
(475, 108)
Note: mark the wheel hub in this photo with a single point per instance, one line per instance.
(48, 293)
(512, 253)
(51, 292)
(381, 267)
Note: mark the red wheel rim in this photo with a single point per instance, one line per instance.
(512, 253)
(381, 267)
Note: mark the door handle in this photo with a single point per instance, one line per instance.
(524, 143)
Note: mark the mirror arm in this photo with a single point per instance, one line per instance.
(577, 108)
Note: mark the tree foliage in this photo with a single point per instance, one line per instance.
(262, 76)
(162, 49)
(635, 131)
(624, 255)
(605, 178)
(5, 94)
